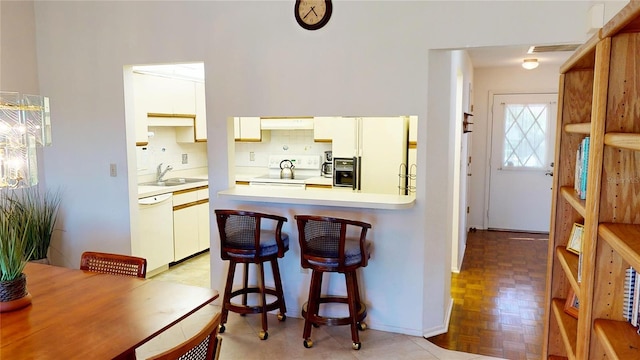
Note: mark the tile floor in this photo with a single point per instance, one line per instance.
(240, 340)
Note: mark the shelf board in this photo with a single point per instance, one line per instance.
(624, 239)
(619, 339)
(629, 141)
(568, 327)
(569, 194)
(578, 128)
(569, 262)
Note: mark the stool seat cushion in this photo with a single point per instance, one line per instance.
(268, 245)
(325, 246)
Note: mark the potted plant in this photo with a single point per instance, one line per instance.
(42, 209)
(14, 252)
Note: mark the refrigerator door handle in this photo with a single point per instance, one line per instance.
(354, 181)
(357, 160)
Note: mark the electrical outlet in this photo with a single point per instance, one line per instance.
(113, 170)
(185, 158)
(252, 156)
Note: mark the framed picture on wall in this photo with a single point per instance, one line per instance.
(572, 304)
(575, 239)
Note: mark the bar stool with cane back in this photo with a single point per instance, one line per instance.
(331, 245)
(244, 241)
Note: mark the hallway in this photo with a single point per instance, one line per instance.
(498, 296)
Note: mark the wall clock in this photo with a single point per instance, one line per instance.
(312, 14)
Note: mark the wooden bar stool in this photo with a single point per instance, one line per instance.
(326, 246)
(244, 241)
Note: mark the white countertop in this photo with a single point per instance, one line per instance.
(150, 190)
(326, 197)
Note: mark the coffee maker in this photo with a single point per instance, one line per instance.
(327, 165)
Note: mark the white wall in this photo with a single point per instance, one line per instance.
(371, 59)
(18, 70)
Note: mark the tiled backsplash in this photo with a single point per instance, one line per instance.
(163, 148)
(294, 142)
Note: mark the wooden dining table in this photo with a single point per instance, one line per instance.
(77, 314)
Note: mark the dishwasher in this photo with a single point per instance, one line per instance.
(156, 231)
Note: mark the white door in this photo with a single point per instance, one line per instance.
(522, 150)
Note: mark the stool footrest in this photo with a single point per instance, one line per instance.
(252, 309)
(331, 321)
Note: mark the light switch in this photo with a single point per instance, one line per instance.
(113, 170)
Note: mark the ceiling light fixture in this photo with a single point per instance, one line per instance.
(530, 64)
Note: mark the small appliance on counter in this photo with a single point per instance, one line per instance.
(286, 169)
(327, 165)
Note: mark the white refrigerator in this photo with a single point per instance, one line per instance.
(380, 145)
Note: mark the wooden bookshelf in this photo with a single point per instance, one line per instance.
(598, 97)
(570, 196)
(579, 128)
(569, 263)
(620, 340)
(568, 327)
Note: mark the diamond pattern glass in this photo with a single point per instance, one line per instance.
(525, 134)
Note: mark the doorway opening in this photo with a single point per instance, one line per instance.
(167, 152)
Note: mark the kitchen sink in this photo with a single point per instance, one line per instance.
(173, 182)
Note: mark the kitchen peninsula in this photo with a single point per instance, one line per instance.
(355, 162)
(325, 197)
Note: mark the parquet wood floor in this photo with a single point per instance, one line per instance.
(498, 296)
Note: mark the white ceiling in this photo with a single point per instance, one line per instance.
(512, 56)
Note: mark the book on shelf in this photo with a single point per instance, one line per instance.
(631, 298)
(582, 165)
(579, 268)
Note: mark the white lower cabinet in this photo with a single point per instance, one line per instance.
(155, 240)
(190, 222)
(203, 226)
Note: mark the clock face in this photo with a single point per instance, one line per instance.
(312, 14)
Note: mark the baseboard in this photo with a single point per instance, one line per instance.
(296, 313)
(427, 333)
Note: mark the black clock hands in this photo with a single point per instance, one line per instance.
(309, 12)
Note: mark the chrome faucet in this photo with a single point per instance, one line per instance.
(160, 174)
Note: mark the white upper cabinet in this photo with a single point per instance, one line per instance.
(170, 96)
(247, 129)
(201, 113)
(323, 128)
(140, 109)
(171, 100)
